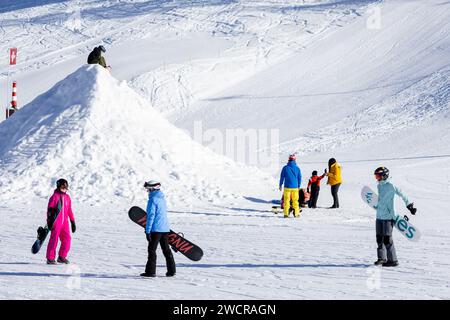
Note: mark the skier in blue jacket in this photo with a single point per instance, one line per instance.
(291, 177)
(157, 230)
(386, 217)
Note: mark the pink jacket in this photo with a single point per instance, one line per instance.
(66, 210)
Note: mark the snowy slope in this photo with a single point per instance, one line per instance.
(155, 43)
(99, 134)
(343, 86)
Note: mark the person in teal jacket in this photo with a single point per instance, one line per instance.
(157, 230)
(387, 256)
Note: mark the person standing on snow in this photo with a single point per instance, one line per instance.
(291, 177)
(314, 184)
(59, 213)
(95, 57)
(157, 230)
(386, 217)
(334, 180)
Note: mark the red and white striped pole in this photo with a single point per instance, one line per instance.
(13, 107)
(12, 61)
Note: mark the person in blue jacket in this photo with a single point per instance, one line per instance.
(157, 230)
(291, 177)
(386, 217)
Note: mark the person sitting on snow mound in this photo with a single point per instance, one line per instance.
(291, 177)
(59, 213)
(386, 217)
(95, 57)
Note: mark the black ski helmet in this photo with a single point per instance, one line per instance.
(314, 173)
(383, 172)
(62, 182)
(102, 48)
(331, 162)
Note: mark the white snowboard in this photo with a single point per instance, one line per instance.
(405, 227)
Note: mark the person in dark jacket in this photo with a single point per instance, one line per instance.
(314, 186)
(157, 230)
(95, 57)
(291, 177)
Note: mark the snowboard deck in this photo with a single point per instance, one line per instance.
(406, 228)
(278, 209)
(42, 233)
(177, 241)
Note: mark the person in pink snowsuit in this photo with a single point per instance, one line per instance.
(59, 213)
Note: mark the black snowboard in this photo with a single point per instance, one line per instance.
(177, 242)
(42, 233)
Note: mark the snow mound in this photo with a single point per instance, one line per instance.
(104, 138)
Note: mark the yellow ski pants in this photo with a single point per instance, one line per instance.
(288, 194)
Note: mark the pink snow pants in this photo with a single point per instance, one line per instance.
(60, 231)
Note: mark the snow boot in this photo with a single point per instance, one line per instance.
(380, 261)
(63, 260)
(51, 261)
(390, 264)
(170, 274)
(148, 275)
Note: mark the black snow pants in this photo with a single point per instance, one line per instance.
(385, 242)
(163, 239)
(334, 193)
(314, 196)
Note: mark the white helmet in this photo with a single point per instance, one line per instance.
(152, 185)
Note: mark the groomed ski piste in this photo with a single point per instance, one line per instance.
(365, 82)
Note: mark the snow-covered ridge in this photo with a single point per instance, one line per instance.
(103, 137)
(422, 102)
(263, 33)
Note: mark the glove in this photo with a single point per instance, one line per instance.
(73, 225)
(411, 208)
(51, 214)
(307, 190)
(148, 236)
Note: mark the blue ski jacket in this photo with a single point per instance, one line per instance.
(291, 175)
(157, 220)
(386, 193)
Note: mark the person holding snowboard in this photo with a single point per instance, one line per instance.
(386, 217)
(291, 177)
(314, 187)
(95, 57)
(157, 230)
(334, 180)
(59, 214)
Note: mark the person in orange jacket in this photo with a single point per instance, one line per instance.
(314, 186)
